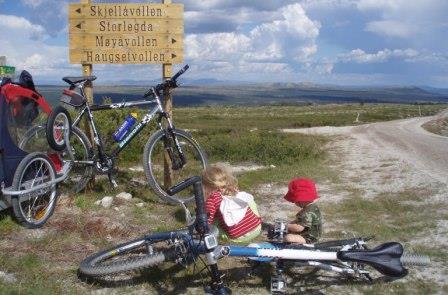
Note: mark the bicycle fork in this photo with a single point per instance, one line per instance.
(177, 157)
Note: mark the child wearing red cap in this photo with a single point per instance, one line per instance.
(307, 227)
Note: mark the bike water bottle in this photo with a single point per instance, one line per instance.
(124, 128)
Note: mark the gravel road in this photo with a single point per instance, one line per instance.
(404, 141)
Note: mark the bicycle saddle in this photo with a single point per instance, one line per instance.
(385, 258)
(79, 79)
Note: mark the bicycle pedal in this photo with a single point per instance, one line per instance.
(278, 284)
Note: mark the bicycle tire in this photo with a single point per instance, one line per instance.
(99, 264)
(20, 181)
(85, 176)
(57, 144)
(154, 169)
(35, 132)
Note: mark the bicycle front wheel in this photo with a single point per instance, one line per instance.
(127, 257)
(34, 208)
(155, 157)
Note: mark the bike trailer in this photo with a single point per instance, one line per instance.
(20, 106)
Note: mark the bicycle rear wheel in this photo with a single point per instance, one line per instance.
(58, 122)
(80, 173)
(34, 208)
(154, 159)
(130, 256)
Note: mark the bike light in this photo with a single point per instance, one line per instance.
(210, 242)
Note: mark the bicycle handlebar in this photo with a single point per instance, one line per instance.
(201, 216)
(169, 83)
(183, 185)
(183, 70)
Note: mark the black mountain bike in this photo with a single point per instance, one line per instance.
(170, 155)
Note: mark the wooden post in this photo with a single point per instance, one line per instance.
(87, 70)
(168, 106)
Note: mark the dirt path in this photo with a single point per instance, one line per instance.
(401, 149)
(387, 158)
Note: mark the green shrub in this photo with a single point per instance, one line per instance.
(262, 147)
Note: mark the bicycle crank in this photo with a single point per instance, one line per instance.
(104, 167)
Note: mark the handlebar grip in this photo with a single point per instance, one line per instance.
(183, 185)
(183, 70)
(148, 93)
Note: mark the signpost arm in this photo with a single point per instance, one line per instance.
(168, 106)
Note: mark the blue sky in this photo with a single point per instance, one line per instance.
(344, 42)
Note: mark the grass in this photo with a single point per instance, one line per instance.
(439, 126)
(401, 216)
(239, 135)
(232, 125)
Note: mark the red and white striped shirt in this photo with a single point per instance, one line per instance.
(249, 222)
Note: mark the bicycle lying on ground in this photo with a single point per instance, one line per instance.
(351, 257)
(167, 147)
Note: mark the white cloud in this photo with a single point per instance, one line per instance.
(24, 51)
(360, 56)
(320, 68)
(225, 4)
(50, 14)
(318, 4)
(392, 28)
(381, 4)
(290, 37)
(403, 18)
(34, 3)
(12, 22)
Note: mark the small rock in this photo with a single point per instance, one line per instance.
(116, 209)
(272, 166)
(98, 202)
(138, 182)
(136, 169)
(124, 196)
(36, 234)
(140, 205)
(106, 202)
(7, 277)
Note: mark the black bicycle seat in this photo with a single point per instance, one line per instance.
(76, 80)
(385, 258)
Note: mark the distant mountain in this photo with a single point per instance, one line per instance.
(441, 91)
(266, 94)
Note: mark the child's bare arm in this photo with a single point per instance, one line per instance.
(295, 228)
(295, 239)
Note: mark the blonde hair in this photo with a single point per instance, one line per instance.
(219, 177)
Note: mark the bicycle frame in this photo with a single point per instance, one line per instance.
(157, 110)
(273, 251)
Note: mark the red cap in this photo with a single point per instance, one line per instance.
(301, 190)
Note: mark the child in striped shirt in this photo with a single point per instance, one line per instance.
(235, 212)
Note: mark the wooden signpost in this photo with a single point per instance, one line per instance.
(127, 33)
